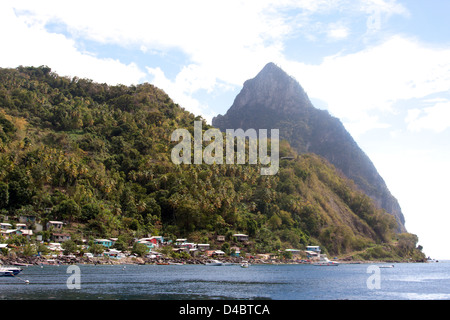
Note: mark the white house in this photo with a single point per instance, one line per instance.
(27, 218)
(21, 226)
(240, 237)
(5, 226)
(312, 251)
(295, 252)
(54, 246)
(203, 246)
(113, 253)
(60, 237)
(55, 224)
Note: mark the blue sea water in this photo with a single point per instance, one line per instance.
(406, 281)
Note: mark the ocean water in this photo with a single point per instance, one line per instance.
(414, 281)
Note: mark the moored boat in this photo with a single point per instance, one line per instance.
(9, 271)
(214, 263)
(19, 264)
(324, 261)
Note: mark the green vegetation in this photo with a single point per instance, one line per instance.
(98, 157)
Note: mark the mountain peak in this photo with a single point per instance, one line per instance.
(272, 68)
(274, 89)
(273, 75)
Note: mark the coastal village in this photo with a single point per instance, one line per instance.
(22, 243)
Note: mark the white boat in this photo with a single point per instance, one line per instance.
(9, 271)
(214, 263)
(324, 261)
(245, 264)
(386, 266)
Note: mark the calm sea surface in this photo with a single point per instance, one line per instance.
(276, 282)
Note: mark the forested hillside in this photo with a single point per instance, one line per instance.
(98, 157)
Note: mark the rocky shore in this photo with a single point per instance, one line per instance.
(67, 260)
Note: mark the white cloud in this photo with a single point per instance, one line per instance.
(389, 7)
(364, 124)
(338, 32)
(372, 80)
(225, 42)
(418, 177)
(232, 39)
(31, 45)
(436, 118)
(178, 91)
(379, 11)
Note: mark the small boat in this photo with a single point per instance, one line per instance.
(245, 264)
(214, 263)
(324, 261)
(386, 266)
(9, 271)
(19, 264)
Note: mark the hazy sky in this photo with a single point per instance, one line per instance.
(381, 66)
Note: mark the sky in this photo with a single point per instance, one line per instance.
(381, 66)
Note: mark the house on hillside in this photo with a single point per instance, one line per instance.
(187, 247)
(7, 233)
(19, 232)
(5, 226)
(180, 241)
(60, 237)
(218, 253)
(203, 246)
(152, 242)
(27, 219)
(312, 251)
(54, 246)
(113, 253)
(159, 240)
(104, 242)
(55, 224)
(295, 252)
(235, 251)
(25, 233)
(149, 242)
(240, 237)
(21, 226)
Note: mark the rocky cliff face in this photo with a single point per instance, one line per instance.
(274, 100)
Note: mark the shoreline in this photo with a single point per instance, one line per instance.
(39, 261)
